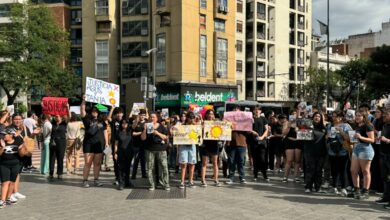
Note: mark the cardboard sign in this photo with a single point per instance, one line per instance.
(217, 130)
(137, 107)
(101, 92)
(304, 128)
(55, 106)
(75, 109)
(242, 121)
(11, 109)
(164, 113)
(187, 134)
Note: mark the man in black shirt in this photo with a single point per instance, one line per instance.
(115, 124)
(385, 159)
(259, 145)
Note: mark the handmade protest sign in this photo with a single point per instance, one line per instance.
(164, 113)
(137, 106)
(242, 121)
(187, 134)
(75, 109)
(304, 129)
(101, 92)
(217, 130)
(55, 105)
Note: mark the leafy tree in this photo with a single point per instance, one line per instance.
(35, 49)
(379, 72)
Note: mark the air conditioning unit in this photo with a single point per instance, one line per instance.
(144, 32)
(77, 20)
(144, 11)
(79, 59)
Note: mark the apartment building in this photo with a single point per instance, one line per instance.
(278, 45)
(194, 61)
(240, 48)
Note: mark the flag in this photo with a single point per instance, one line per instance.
(323, 27)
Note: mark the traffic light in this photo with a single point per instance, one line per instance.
(152, 92)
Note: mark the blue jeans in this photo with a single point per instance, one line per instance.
(236, 159)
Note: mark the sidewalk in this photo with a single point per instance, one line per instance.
(255, 200)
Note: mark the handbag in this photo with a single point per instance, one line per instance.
(223, 155)
(29, 143)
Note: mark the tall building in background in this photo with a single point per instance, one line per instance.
(278, 45)
(194, 61)
(240, 48)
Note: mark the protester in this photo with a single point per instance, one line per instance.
(156, 137)
(259, 145)
(276, 140)
(376, 180)
(11, 149)
(362, 155)
(138, 127)
(172, 161)
(314, 153)
(95, 141)
(115, 126)
(366, 109)
(30, 123)
(73, 144)
(106, 156)
(57, 146)
(45, 149)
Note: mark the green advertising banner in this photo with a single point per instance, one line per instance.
(171, 99)
(205, 97)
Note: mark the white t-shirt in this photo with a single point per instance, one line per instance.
(47, 126)
(30, 124)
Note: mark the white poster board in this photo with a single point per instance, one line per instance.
(75, 109)
(101, 92)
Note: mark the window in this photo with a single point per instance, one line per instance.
(223, 3)
(261, 11)
(160, 56)
(75, 55)
(134, 49)
(239, 46)
(222, 57)
(239, 6)
(75, 3)
(202, 21)
(76, 36)
(160, 3)
(203, 55)
(203, 3)
(103, 27)
(5, 10)
(102, 49)
(165, 20)
(239, 26)
(101, 59)
(135, 7)
(102, 70)
(134, 70)
(101, 7)
(219, 25)
(239, 66)
(75, 17)
(135, 28)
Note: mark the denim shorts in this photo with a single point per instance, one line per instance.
(187, 154)
(363, 151)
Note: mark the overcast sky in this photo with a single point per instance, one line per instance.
(348, 17)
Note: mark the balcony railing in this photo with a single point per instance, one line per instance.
(261, 16)
(261, 54)
(301, 60)
(249, 16)
(301, 25)
(301, 43)
(260, 93)
(249, 74)
(249, 35)
(260, 35)
(301, 8)
(260, 73)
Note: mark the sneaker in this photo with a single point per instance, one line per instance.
(217, 184)
(243, 181)
(13, 198)
(284, 180)
(267, 180)
(344, 192)
(334, 191)
(297, 180)
(121, 187)
(85, 184)
(116, 183)
(167, 188)
(382, 201)
(320, 191)
(203, 184)
(97, 183)
(365, 195)
(19, 195)
(181, 186)
(356, 194)
(307, 191)
(2, 204)
(9, 202)
(151, 188)
(229, 182)
(254, 179)
(325, 185)
(191, 185)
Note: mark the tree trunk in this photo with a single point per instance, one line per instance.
(10, 97)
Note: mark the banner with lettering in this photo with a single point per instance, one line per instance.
(242, 121)
(137, 106)
(217, 130)
(101, 92)
(187, 134)
(55, 105)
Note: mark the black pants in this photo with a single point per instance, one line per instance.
(115, 162)
(313, 171)
(376, 180)
(338, 166)
(259, 157)
(124, 163)
(385, 174)
(57, 152)
(27, 161)
(271, 155)
(139, 158)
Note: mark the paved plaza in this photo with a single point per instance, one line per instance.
(255, 200)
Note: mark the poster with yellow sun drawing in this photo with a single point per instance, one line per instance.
(187, 134)
(217, 130)
(101, 92)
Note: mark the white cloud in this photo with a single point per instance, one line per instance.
(348, 17)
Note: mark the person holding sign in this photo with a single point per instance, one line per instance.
(156, 136)
(95, 140)
(57, 146)
(362, 154)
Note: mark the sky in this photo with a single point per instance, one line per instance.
(349, 17)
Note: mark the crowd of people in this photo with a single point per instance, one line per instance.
(347, 157)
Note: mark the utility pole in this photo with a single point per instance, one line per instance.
(327, 60)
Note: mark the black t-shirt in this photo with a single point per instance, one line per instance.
(154, 142)
(137, 139)
(385, 148)
(124, 141)
(115, 129)
(94, 131)
(317, 146)
(11, 152)
(362, 130)
(59, 131)
(23, 132)
(259, 125)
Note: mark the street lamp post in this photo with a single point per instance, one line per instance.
(148, 52)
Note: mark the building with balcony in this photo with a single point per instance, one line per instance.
(240, 48)
(278, 45)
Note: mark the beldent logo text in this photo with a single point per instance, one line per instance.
(169, 97)
(208, 97)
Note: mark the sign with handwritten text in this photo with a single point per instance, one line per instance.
(187, 134)
(55, 105)
(217, 130)
(101, 92)
(242, 121)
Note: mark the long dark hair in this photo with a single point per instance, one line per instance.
(319, 125)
